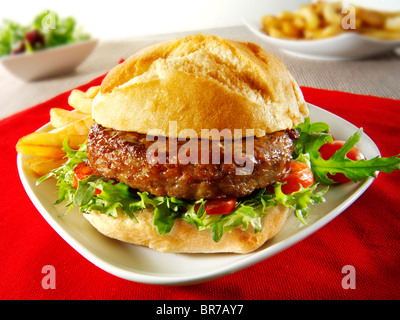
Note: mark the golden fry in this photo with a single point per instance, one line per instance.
(78, 127)
(92, 92)
(332, 14)
(371, 18)
(40, 151)
(52, 139)
(286, 15)
(393, 23)
(46, 147)
(43, 165)
(276, 33)
(299, 22)
(290, 30)
(78, 100)
(61, 117)
(82, 101)
(269, 21)
(311, 18)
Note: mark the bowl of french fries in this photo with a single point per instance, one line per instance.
(328, 30)
(42, 150)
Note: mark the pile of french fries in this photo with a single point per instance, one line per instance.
(324, 19)
(46, 147)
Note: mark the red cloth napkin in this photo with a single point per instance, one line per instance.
(365, 236)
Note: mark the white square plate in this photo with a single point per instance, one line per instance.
(144, 265)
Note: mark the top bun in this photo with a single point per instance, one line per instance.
(201, 82)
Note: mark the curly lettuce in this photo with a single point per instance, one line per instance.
(116, 198)
(56, 31)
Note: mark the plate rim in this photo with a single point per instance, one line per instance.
(248, 260)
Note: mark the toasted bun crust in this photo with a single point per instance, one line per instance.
(184, 237)
(201, 82)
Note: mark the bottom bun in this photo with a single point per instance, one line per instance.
(184, 237)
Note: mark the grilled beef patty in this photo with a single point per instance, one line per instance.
(133, 159)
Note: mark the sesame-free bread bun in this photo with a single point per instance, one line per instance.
(201, 82)
(184, 237)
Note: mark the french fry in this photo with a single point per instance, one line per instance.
(92, 92)
(61, 117)
(52, 139)
(43, 165)
(46, 147)
(290, 30)
(372, 18)
(79, 127)
(393, 23)
(299, 22)
(312, 19)
(309, 34)
(269, 21)
(276, 33)
(78, 101)
(286, 15)
(326, 32)
(332, 13)
(40, 151)
(49, 144)
(318, 6)
(82, 101)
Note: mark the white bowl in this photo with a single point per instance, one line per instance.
(346, 46)
(144, 265)
(48, 62)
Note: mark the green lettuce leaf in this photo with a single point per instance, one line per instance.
(118, 198)
(314, 135)
(56, 31)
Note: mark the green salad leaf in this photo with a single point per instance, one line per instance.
(57, 30)
(46, 30)
(314, 135)
(11, 33)
(118, 198)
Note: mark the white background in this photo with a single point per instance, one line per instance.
(115, 19)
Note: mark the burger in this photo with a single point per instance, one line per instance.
(164, 98)
(203, 145)
(191, 142)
